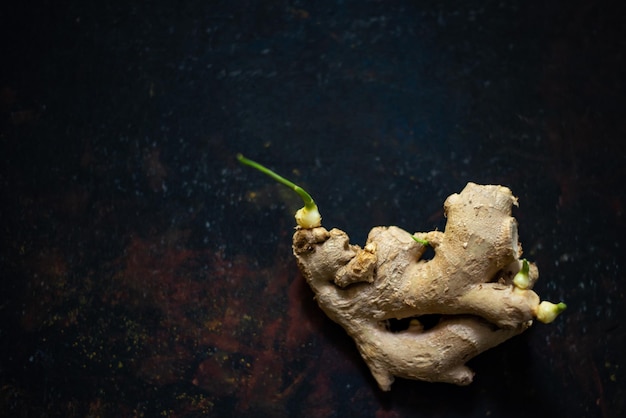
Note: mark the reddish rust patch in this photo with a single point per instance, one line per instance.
(218, 308)
(169, 315)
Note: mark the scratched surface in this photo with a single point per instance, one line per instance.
(145, 273)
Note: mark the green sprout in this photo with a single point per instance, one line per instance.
(545, 312)
(548, 311)
(424, 242)
(521, 279)
(307, 217)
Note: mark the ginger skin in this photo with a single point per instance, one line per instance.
(469, 283)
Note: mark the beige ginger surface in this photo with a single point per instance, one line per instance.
(467, 287)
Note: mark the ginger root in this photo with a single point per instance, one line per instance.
(474, 294)
(467, 287)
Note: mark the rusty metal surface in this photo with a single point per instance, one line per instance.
(144, 273)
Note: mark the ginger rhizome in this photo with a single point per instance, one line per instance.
(474, 294)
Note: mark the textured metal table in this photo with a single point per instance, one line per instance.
(145, 273)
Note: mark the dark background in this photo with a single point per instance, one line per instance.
(145, 273)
